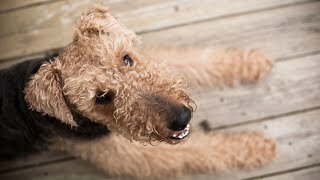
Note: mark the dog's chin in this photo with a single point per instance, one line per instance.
(163, 134)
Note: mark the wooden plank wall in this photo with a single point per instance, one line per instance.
(285, 106)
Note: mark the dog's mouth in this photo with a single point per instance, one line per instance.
(178, 135)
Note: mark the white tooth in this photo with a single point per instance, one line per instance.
(188, 125)
(185, 133)
(187, 128)
(180, 136)
(174, 135)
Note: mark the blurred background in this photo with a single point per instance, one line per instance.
(285, 106)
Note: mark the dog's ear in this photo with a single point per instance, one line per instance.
(98, 20)
(44, 93)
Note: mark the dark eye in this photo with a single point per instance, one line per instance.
(104, 97)
(127, 60)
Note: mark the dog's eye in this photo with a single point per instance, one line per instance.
(104, 97)
(127, 60)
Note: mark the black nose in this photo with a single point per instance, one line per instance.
(181, 120)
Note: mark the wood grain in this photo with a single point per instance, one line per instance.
(10, 5)
(306, 174)
(58, 14)
(139, 15)
(280, 32)
(56, 31)
(37, 159)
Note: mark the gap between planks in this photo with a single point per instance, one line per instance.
(295, 171)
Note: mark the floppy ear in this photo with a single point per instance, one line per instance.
(44, 93)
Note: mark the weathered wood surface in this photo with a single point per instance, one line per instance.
(55, 31)
(298, 136)
(10, 5)
(139, 15)
(37, 159)
(300, 39)
(74, 170)
(284, 106)
(280, 32)
(304, 174)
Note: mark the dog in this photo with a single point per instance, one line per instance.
(108, 101)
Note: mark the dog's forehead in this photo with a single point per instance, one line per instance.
(99, 40)
(97, 55)
(97, 50)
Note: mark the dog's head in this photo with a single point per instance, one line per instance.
(103, 76)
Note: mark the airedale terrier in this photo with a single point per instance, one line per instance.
(110, 102)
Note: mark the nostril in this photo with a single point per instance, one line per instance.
(182, 119)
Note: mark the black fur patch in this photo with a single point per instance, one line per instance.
(22, 130)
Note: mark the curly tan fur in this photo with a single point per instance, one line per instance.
(93, 62)
(144, 93)
(201, 153)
